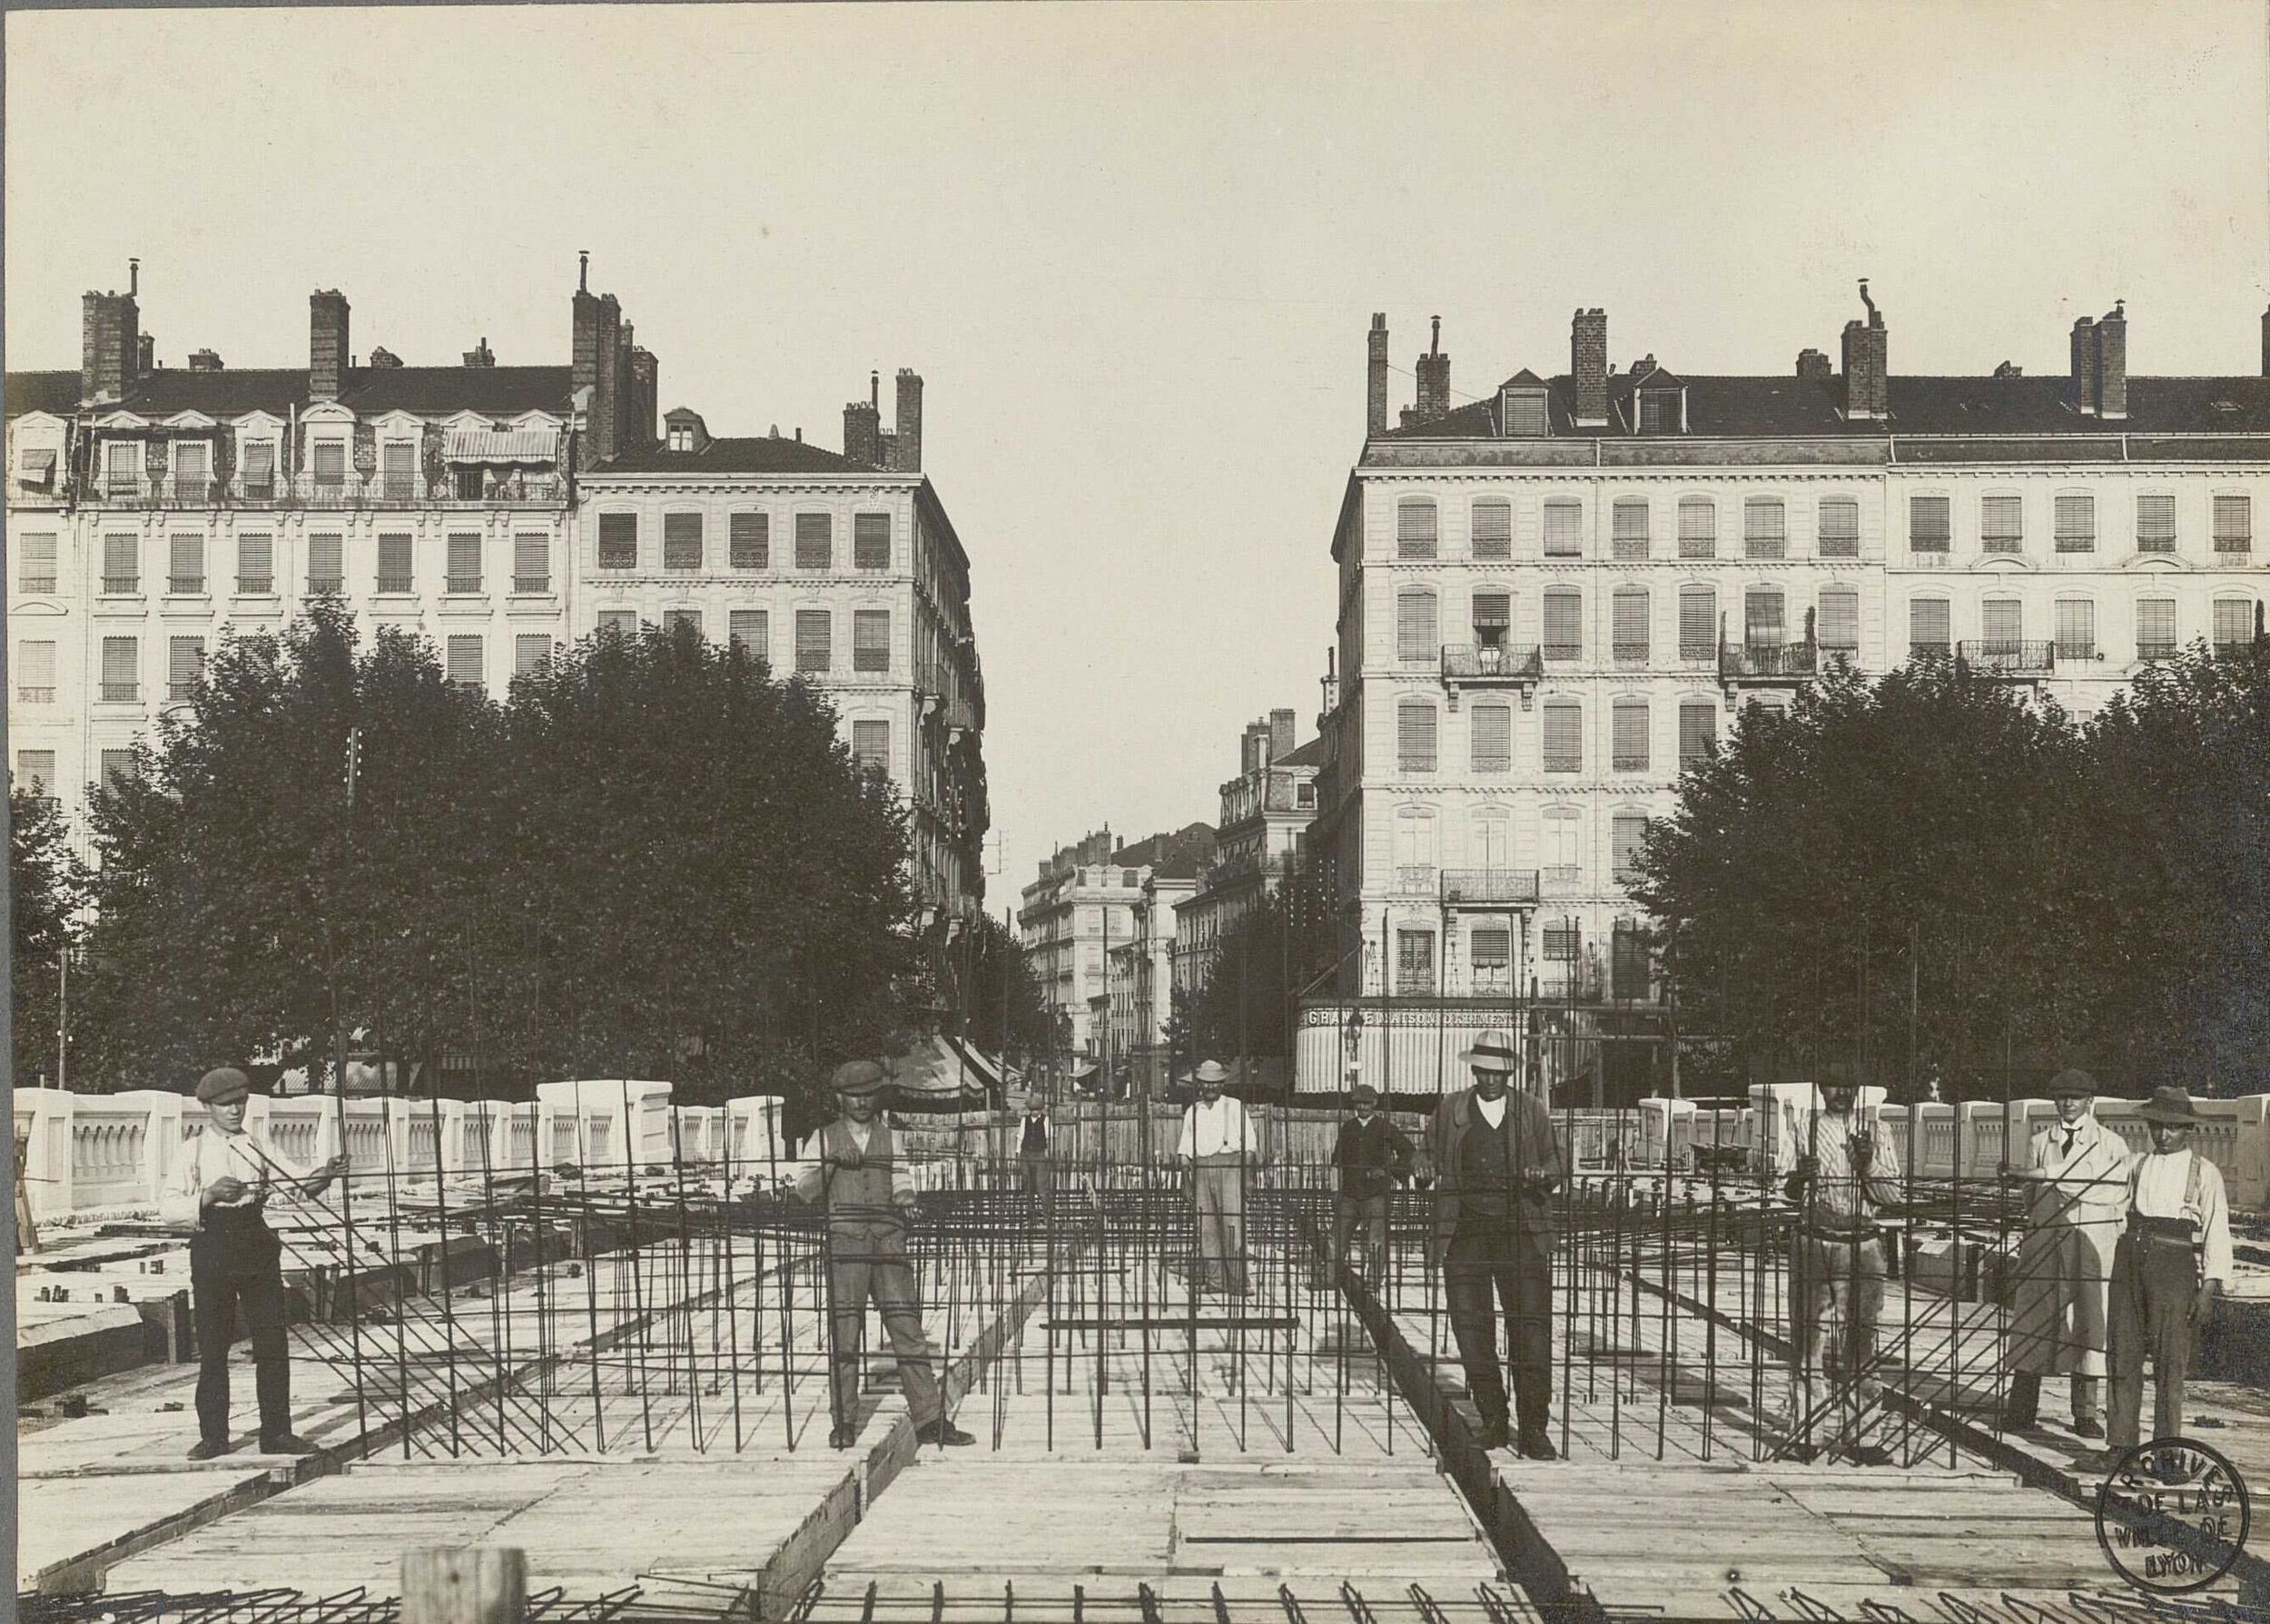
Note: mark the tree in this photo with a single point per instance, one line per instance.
(46, 887)
(1007, 1014)
(1263, 962)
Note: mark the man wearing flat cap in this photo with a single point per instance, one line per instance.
(2076, 1176)
(1373, 1158)
(857, 1172)
(219, 1191)
(2169, 1267)
(1496, 1162)
(1220, 1147)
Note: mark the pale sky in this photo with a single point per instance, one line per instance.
(1133, 250)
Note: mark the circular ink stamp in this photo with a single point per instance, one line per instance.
(2172, 1516)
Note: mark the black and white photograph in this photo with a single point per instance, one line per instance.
(805, 829)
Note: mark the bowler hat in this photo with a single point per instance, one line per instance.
(1365, 1094)
(860, 1076)
(2169, 1104)
(222, 1084)
(1493, 1050)
(1211, 1071)
(2072, 1082)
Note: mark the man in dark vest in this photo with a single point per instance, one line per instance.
(1373, 1158)
(868, 1190)
(1492, 1153)
(1032, 1150)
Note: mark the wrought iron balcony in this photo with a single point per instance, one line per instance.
(1768, 662)
(2008, 657)
(1496, 888)
(1492, 665)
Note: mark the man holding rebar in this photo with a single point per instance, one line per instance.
(1841, 1171)
(858, 1175)
(2076, 1169)
(1372, 1156)
(1221, 1150)
(221, 1191)
(1496, 1162)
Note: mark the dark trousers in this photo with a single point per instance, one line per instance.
(1836, 1304)
(2154, 1295)
(1350, 1213)
(1035, 1171)
(1487, 1257)
(234, 1265)
(859, 1269)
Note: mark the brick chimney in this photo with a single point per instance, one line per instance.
(862, 425)
(1376, 370)
(1253, 747)
(1867, 364)
(1434, 377)
(1588, 367)
(209, 360)
(1814, 365)
(109, 344)
(1280, 734)
(326, 343)
(480, 354)
(2085, 366)
(646, 393)
(2112, 361)
(146, 353)
(906, 432)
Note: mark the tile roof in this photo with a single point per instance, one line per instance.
(767, 454)
(1192, 840)
(1310, 754)
(56, 392)
(498, 392)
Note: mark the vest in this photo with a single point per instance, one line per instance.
(859, 1198)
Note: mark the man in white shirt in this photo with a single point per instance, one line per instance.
(2167, 1268)
(219, 1191)
(1220, 1147)
(2078, 1169)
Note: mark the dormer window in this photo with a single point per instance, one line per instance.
(329, 459)
(681, 436)
(1663, 411)
(122, 468)
(1521, 405)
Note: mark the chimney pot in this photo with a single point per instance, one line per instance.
(1814, 364)
(134, 278)
(1588, 367)
(1375, 371)
(204, 360)
(329, 359)
(583, 270)
(1866, 356)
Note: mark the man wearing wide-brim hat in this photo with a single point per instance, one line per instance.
(220, 1190)
(858, 1173)
(1217, 1144)
(2171, 1263)
(2074, 1175)
(1494, 1161)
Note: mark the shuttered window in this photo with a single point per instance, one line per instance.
(1417, 636)
(1415, 737)
(1698, 527)
(1492, 530)
(122, 468)
(750, 632)
(1930, 523)
(2154, 627)
(2002, 524)
(871, 640)
(1414, 839)
(1628, 528)
(871, 541)
(1763, 621)
(121, 669)
(1930, 627)
(1524, 411)
(681, 541)
(465, 563)
(327, 563)
(331, 462)
(1625, 832)
(1564, 625)
(1492, 730)
(35, 673)
(1627, 613)
(256, 469)
(813, 635)
(1839, 527)
(531, 562)
(35, 563)
(187, 560)
(1491, 947)
(1628, 746)
(1563, 843)
(465, 661)
(531, 653)
(118, 769)
(749, 540)
(2075, 523)
(2003, 621)
(1414, 528)
(1839, 626)
(691, 619)
(2155, 524)
(398, 469)
(1560, 944)
(1564, 529)
(1564, 736)
(1764, 528)
(1698, 623)
(619, 541)
(35, 772)
(184, 659)
(122, 563)
(1492, 844)
(2076, 628)
(870, 746)
(395, 569)
(618, 623)
(1493, 611)
(815, 541)
(2233, 623)
(2234, 524)
(1698, 732)
(255, 565)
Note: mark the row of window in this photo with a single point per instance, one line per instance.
(1560, 736)
(1765, 528)
(748, 541)
(1489, 844)
(1489, 961)
(1835, 625)
(814, 650)
(464, 563)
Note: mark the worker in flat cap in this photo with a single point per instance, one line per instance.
(2075, 1177)
(2170, 1264)
(1373, 1157)
(219, 1191)
(1496, 1162)
(858, 1173)
(1220, 1147)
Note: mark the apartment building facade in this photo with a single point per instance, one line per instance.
(1079, 916)
(1265, 812)
(1555, 599)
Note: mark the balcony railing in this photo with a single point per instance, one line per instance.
(120, 586)
(322, 586)
(34, 695)
(255, 585)
(36, 583)
(531, 583)
(1768, 662)
(462, 585)
(395, 584)
(120, 693)
(1506, 888)
(1480, 664)
(185, 585)
(2008, 657)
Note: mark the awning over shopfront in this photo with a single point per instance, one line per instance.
(935, 1076)
(503, 444)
